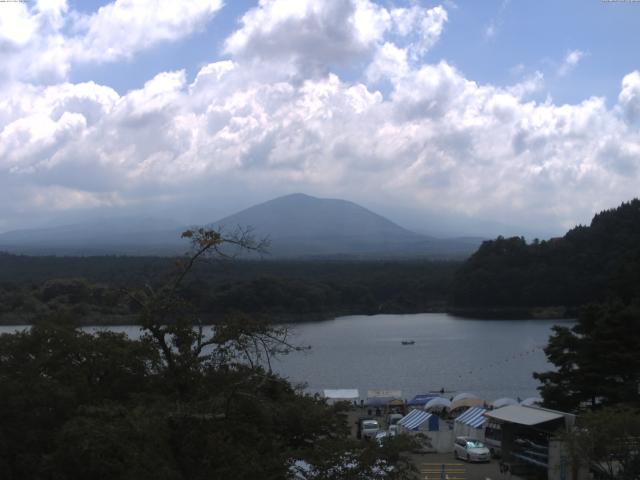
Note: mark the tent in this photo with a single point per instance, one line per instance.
(503, 402)
(422, 399)
(418, 420)
(432, 434)
(463, 396)
(465, 403)
(471, 423)
(531, 401)
(341, 395)
(437, 403)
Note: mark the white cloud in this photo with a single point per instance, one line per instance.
(629, 97)
(312, 35)
(278, 117)
(570, 62)
(318, 36)
(40, 43)
(124, 27)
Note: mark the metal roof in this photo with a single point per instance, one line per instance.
(473, 417)
(414, 419)
(523, 415)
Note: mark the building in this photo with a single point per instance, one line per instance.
(531, 440)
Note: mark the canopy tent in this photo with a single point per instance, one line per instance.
(341, 395)
(503, 402)
(422, 399)
(418, 420)
(437, 403)
(466, 402)
(528, 402)
(463, 396)
(474, 417)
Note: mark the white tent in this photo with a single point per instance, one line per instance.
(531, 401)
(437, 404)
(463, 396)
(503, 402)
(341, 395)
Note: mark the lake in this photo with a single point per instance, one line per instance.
(491, 358)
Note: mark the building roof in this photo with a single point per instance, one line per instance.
(342, 394)
(474, 417)
(523, 415)
(414, 419)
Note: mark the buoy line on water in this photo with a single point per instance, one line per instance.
(504, 361)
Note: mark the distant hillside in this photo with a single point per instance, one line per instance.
(128, 235)
(300, 225)
(589, 264)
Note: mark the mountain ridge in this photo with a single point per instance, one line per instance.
(298, 225)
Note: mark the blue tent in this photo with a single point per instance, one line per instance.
(418, 420)
(474, 417)
(422, 399)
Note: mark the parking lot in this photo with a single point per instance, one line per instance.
(443, 466)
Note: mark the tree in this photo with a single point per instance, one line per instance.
(607, 441)
(181, 402)
(597, 361)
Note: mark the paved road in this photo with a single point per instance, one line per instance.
(431, 465)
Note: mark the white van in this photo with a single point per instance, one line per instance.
(369, 428)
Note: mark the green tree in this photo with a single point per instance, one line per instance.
(182, 402)
(607, 442)
(597, 361)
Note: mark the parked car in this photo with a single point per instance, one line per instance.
(392, 423)
(471, 450)
(368, 428)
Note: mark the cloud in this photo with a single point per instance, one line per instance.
(123, 28)
(279, 116)
(40, 43)
(629, 97)
(318, 36)
(570, 62)
(492, 28)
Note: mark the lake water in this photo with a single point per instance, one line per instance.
(491, 358)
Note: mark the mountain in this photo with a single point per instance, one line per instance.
(589, 264)
(302, 225)
(124, 235)
(297, 225)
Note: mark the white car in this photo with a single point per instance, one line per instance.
(369, 428)
(471, 450)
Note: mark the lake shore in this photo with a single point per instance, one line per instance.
(479, 313)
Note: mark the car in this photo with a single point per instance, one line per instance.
(471, 450)
(368, 428)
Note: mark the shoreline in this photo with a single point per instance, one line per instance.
(495, 313)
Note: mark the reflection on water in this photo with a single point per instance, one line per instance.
(489, 358)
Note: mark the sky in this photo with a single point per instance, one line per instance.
(452, 116)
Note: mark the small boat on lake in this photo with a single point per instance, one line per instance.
(408, 342)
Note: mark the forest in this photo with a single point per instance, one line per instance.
(95, 289)
(589, 264)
